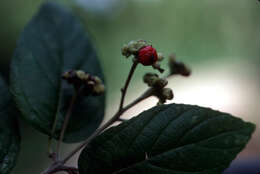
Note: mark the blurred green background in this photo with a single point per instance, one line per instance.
(219, 40)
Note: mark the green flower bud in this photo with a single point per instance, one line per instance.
(133, 47)
(125, 51)
(160, 57)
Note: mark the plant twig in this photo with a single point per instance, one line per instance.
(66, 121)
(59, 165)
(50, 151)
(115, 118)
(124, 89)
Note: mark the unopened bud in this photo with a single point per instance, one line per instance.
(147, 56)
(148, 76)
(167, 93)
(125, 52)
(97, 80)
(160, 83)
(90, 85)
(72, 78)
(99, 89)
(82, 75)
(67, 75)
(178, 68)
(160, 57)
(157, 66)
(133, 47)
(154, 81)
(172, 57)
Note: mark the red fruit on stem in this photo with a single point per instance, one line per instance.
(147, 56)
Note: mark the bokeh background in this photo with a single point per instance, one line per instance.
(219, 40)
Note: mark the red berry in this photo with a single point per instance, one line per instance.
(147, 55)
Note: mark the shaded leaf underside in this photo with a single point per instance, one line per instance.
(171, 139)
(53, 42)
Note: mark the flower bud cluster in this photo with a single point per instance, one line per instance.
(92, 85)
(158, 84)
(177, 67)
(143, 53)
(133, 47)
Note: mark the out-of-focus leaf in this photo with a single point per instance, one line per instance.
(54, 41)
(9, 133)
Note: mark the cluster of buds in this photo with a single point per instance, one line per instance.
(91, 85)
(143, 53)
(158, 85)
(177, 67)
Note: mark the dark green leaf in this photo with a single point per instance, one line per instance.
(54, 41)
(9, 133)
(168, 139)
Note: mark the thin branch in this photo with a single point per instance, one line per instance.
(66, 121)
(59, 165)
(146, 94)
(115, 118)
(50, 151)
(124, 89)
(49, 145)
